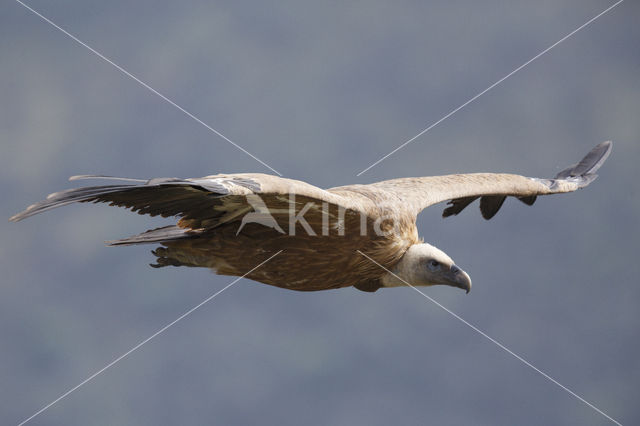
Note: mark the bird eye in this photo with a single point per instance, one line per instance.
(434, 265)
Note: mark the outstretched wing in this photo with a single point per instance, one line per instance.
(161, 196)
(202, 203)
(492, 188)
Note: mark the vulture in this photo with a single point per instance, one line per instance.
(363, 236)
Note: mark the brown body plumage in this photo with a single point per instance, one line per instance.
(309, 261)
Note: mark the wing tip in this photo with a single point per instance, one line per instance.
(29, 211)
(576, 176)
(589, 165)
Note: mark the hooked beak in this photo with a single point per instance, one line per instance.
(456, 277)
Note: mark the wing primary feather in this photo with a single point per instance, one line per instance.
(457, 205)
(62, 198)
(528, 200)
(589, 164)
(489, 205)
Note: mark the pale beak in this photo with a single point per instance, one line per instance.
(456, 277)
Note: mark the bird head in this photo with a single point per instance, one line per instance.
(426, 265)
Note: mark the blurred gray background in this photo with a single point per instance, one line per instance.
(319, 91)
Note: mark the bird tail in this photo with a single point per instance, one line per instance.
(158, 235)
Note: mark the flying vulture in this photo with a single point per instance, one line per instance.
(339, 237)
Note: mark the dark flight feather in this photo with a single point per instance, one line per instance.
(489, 205)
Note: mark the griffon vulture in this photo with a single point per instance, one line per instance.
(232, 222)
